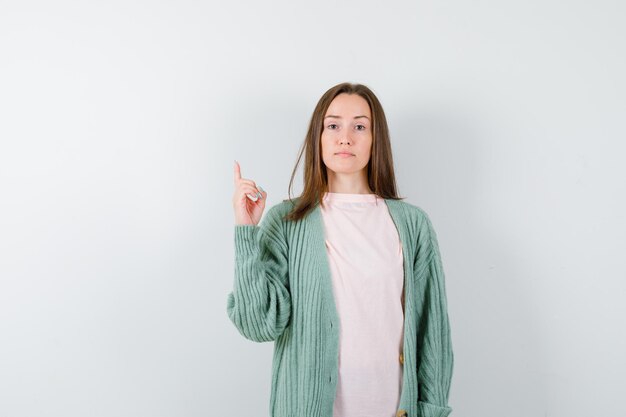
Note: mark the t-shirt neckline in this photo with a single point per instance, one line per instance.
(350, 197)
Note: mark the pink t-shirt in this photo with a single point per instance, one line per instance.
(366, 263)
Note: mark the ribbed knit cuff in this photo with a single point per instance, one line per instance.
(432, 410)
(245, 239)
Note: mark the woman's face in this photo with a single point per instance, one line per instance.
(347, 129)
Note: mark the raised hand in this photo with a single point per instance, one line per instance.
(248, 200)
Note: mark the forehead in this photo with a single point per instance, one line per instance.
(348, 105)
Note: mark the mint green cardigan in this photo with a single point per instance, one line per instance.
(283, 292)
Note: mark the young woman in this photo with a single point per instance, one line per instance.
(347, 279)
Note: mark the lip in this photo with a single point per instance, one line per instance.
(344, 154)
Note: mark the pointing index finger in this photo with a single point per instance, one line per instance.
(237, 171)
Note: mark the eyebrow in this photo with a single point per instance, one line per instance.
(339, 117)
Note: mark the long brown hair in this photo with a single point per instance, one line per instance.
(380, 172)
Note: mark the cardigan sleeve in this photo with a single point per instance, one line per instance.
(260, 303)
(435, 358)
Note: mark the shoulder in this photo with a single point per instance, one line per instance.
(414, 214)
(277, 212)
(283, 207)
(424, 236)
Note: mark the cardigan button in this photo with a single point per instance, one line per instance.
(402, 358)
(401, 413)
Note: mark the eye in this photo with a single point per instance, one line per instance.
(363, 126)
(332, 124)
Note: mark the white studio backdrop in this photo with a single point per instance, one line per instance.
(119, 124)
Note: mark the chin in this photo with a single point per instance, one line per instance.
(345, 171)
